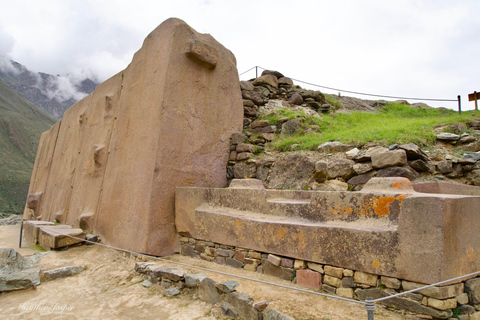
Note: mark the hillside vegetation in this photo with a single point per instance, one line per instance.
(394, 123)
(21, 124)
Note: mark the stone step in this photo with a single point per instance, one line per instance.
(57, 236)
(31, 229)
(290, 201)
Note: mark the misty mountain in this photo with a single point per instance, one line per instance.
(21, 124)
(51, 93)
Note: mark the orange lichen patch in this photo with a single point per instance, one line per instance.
(382, 205)
(367, 207)
(341, 210)
(400, 198)
(376, 264)
(280, 232)
(398, 185)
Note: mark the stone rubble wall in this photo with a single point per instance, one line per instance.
(441, 302)
(336, 166)
(233, 303)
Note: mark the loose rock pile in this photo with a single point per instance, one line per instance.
(234, 304)
(335, 165)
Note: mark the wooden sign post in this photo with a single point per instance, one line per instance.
(474, 97)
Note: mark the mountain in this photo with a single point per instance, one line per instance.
(21, 124)
(52, 93)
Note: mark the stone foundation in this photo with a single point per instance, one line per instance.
(461, 299)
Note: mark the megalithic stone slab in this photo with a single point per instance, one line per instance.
(31, 229)
(54, 237)
(112, 163)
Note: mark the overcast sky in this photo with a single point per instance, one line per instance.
(410, 48)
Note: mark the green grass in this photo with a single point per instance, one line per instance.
(395, 123)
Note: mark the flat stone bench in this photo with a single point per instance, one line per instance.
(388, 228)
(51, 236)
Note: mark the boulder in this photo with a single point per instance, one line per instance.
(389, 158)
(340, 168)
(413, 152)
(447, 136)
(284, 81)
(334, 146)
(292, 171)
(404, 171)
(272, 72)
(291, 127)
(269, 79)
(296, 99)
(254, 96)
(246, 85)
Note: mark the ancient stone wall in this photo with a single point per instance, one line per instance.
(112, 163)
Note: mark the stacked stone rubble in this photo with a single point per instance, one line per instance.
(439, 302)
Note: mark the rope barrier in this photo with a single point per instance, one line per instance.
(360, 93)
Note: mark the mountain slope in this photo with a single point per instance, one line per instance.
(21, 124)
(52, 94)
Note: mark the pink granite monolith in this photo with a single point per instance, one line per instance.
(112, 163)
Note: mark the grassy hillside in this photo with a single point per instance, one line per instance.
(21, 124)
(394, 123)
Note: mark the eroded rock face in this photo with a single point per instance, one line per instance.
(115, 159)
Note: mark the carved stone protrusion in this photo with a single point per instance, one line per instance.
(203, 54)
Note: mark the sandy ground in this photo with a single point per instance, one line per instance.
(109, 288)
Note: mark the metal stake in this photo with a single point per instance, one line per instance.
(21, 232)
(256, 72)
(459, 105)
(370, 306)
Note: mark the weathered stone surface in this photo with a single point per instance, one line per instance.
(442, 293)
(321, 171)
(274, 314)
(332, 281)
(291, 127)
(285, 81)
(60, 273)
(171, 292)
(275, 260)
(329, 289)
(472, 287)
(404, 171)
(413, 151)
(345, 292)
(348, 282)
(389, 159)
(402, 303)
(334, 271)
(170, 273)
(462, 298)
(334, 146)
(234, 263)
(269, 79)
(367, 155)
(375, 230)
(362, 178)
(31, 229)
(448, 136)
(420, 165)
(352, 154)
(245, 147)
(243, 170)
(237, 138)
(146, 284)
(281, 272)
(208, 292)
(227, 286)
(316, 267)
(19, 280)
(120, 152)
(365, 278)
(229, 310)
(442, 304)
(243, 304)
(391, 283)
(299, 264)
(310, 279)
(445, 166)
(299, 164)
(54, 237)
(253, 96)
(246, 85)
(272, 72)
(296, 99)
(194, 279)
(340, 168)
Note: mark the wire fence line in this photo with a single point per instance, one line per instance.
(369, 303)
(359, 93)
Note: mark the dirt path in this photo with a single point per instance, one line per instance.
(110, 289)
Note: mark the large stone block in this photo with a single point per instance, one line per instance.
(165, 121)
(54, 237)
(31, 229)
(310, 279)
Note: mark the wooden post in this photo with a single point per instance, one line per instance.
(474, 97)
